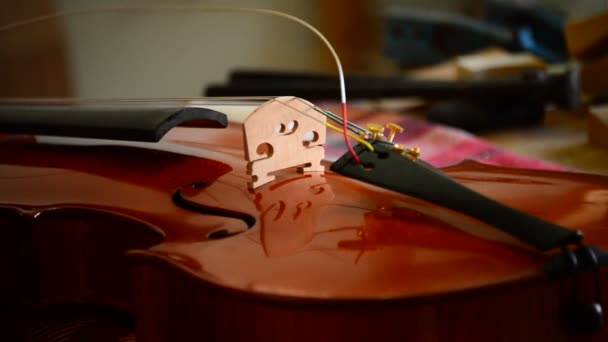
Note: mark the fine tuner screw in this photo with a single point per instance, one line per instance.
(398, 148)
(376, 130)
(393, 129)
(412, 153)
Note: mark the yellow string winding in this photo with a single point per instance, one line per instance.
(352, 136)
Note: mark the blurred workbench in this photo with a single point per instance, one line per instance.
(562, 139)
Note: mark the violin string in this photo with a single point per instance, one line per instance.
(352, 131)
(351, 126)
(352, 136)
(67, 13)
(357, 130)
(355, 136)
(224, 100)
(298, 109)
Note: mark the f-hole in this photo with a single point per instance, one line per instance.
(286, 129)
(265, 149)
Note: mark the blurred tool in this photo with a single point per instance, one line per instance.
(558, 87)
(597, 126)
(538, 29)
(588, 43)
(496, 64)
(414, 37)
(482, 104)
(481, 116)
(587, 40)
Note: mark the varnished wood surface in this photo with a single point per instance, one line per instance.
(527, 311)
(327, 258)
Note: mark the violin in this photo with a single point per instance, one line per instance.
(178, 235)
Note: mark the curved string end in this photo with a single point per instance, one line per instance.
(345, 133)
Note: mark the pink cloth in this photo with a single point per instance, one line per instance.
(440, 145)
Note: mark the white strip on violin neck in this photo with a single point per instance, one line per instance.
(236, 114)
(282, 133)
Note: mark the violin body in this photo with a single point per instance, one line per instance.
(171, 233)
